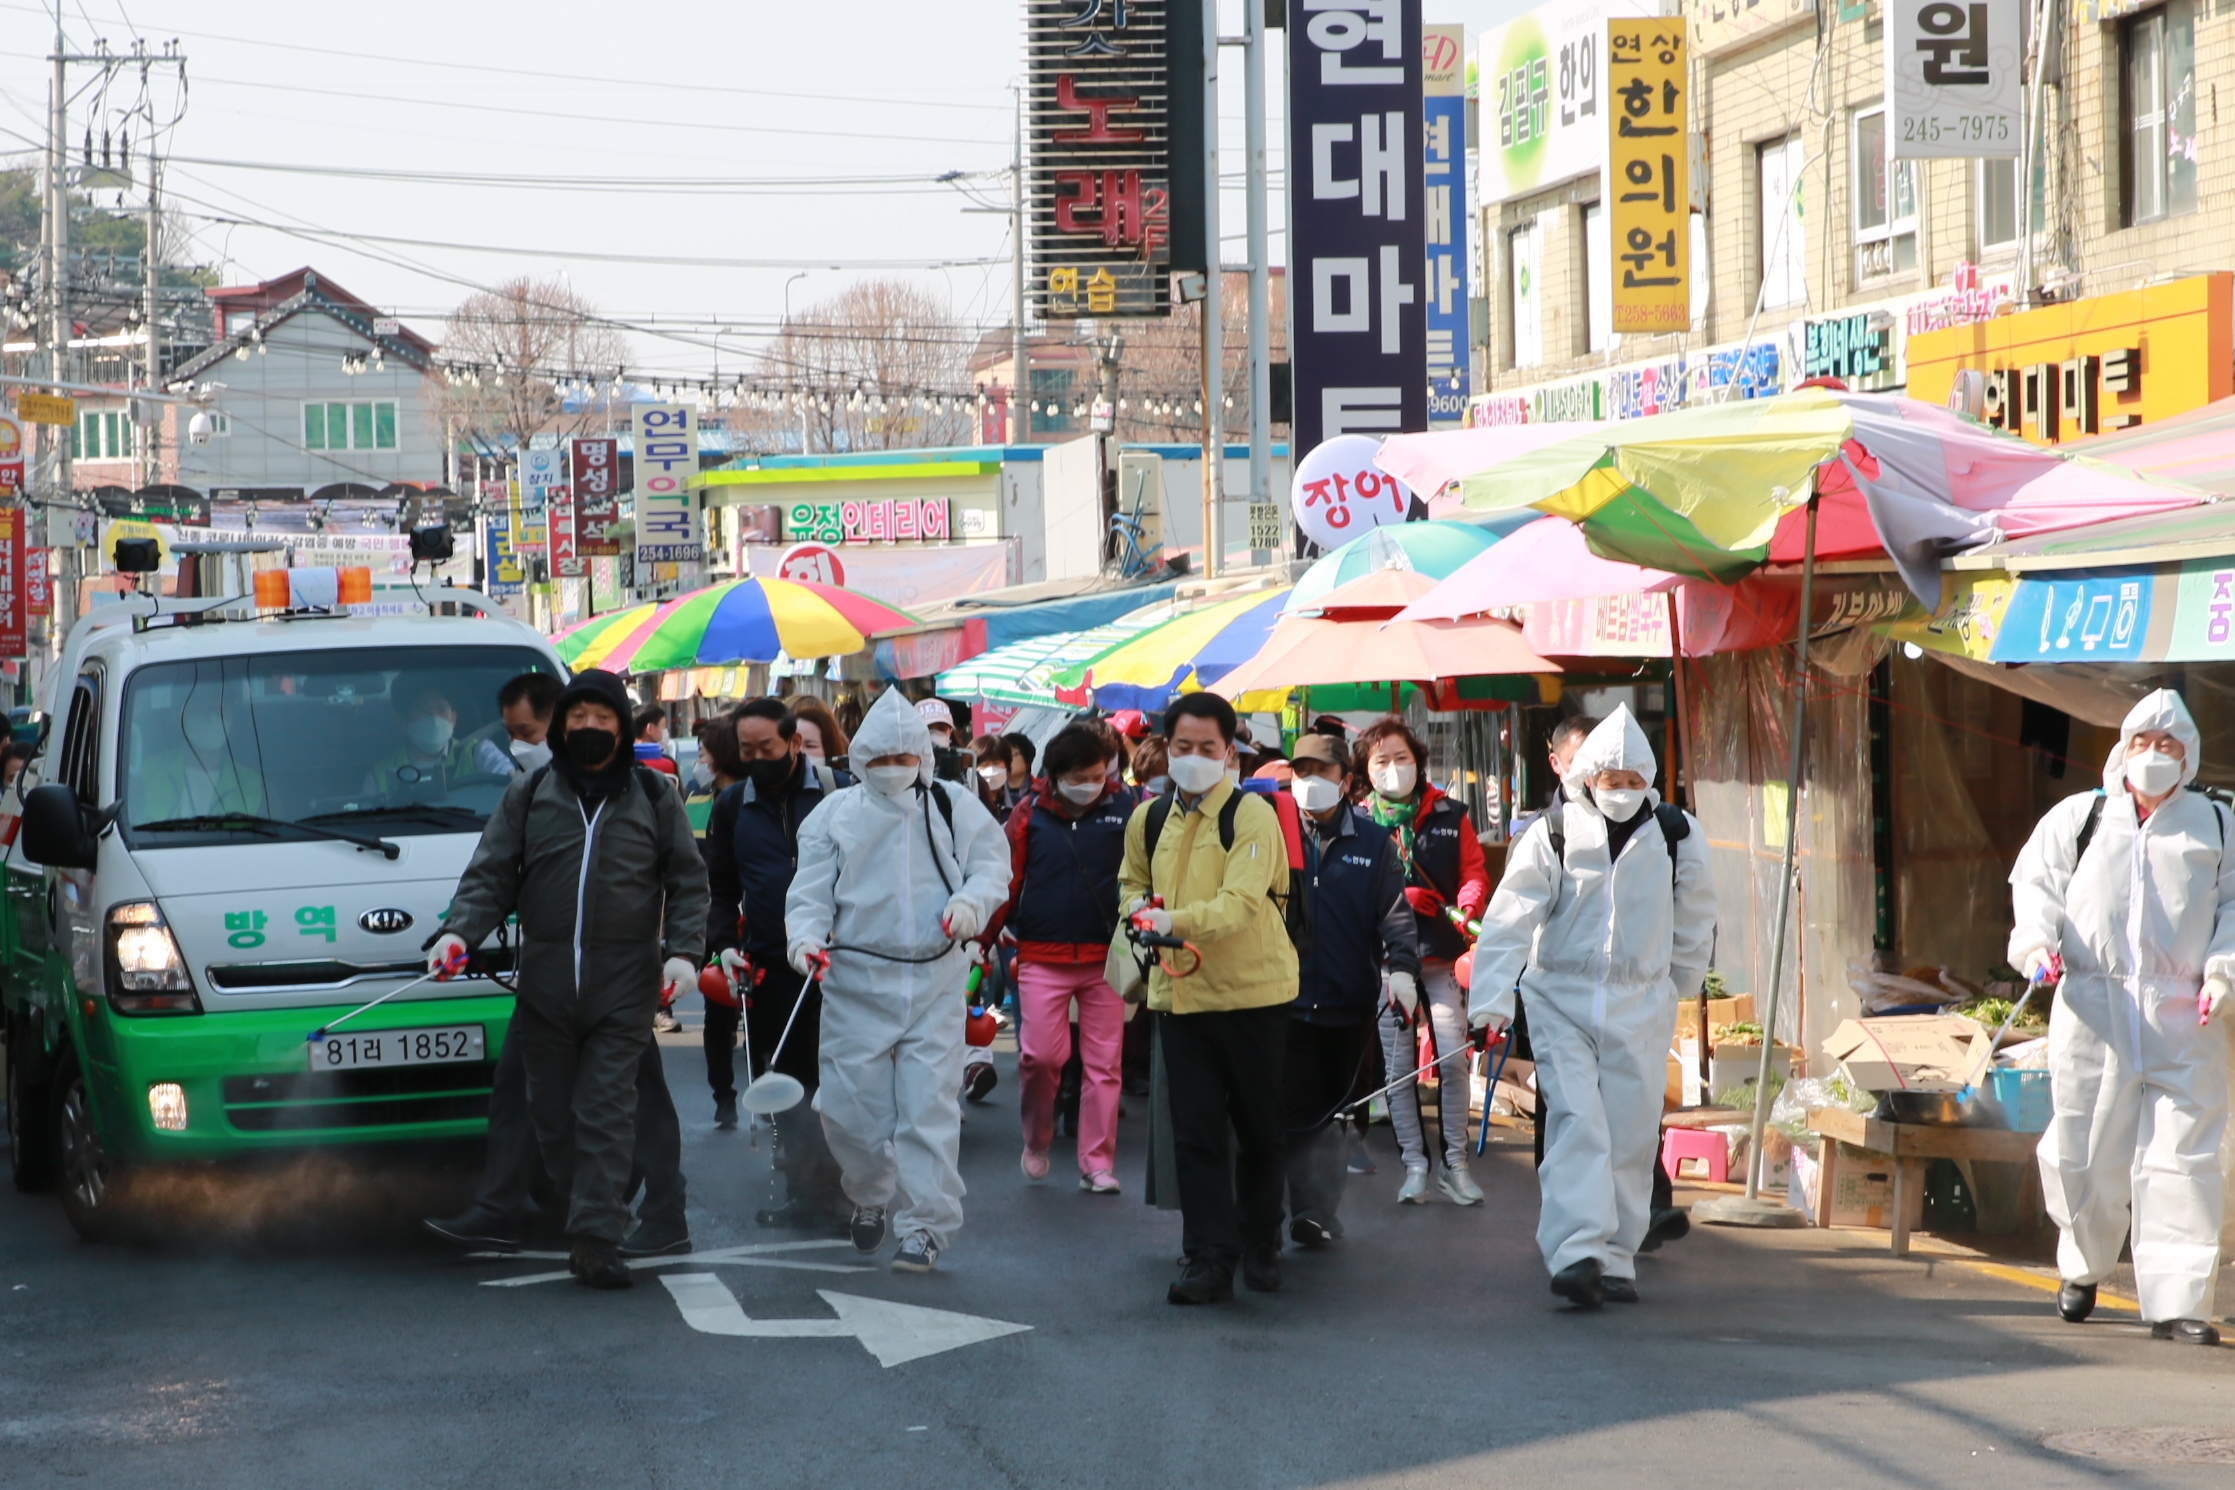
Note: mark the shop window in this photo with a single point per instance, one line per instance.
(1885, 202)
(2157, 65)
(1598, 281)
(1525, 295)
(1781, 231)
(352, 426)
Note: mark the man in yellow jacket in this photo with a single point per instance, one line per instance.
(1222, 1025)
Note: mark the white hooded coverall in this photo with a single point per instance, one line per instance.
(1607, 946)
(869, 880)
(2138, 1088)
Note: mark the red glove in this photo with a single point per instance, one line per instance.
(1424, 901)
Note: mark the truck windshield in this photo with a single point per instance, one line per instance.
(230, 749)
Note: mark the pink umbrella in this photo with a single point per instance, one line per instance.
(1548, 560)
(1429, 462)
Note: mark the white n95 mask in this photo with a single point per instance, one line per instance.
(891, 781)
(1315, 793)
(1196, 774)
(2153, 773)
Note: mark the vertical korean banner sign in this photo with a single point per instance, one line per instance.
(666, 502)
(12, 622)
(1355, 219)
(1444, 79)
(594, 471)
(1648, 159)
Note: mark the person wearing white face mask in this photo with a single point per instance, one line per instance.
(431, 756)
(2132, 886)
(1445, 875)
(1609, 905)
(1362, 929)
(894, 876)
(1066, 842)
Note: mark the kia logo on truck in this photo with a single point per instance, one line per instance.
(386, 921)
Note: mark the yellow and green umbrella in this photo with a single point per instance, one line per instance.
(1146, 671)
(747, 620)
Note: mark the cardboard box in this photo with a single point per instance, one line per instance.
(1737, 1065)
(1862, 1186)
(1909, 1052)
(1721, 1015)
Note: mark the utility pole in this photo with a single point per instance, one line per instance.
(1018, 375)
(151, 442)
(1260, 265)
(61, 486)
(1214, 341)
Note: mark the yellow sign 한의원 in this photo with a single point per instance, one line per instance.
(1649, 213)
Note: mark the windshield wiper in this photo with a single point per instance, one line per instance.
(249, 822)
(431, 811)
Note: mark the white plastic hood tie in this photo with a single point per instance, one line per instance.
(892, 727)
(1616, 745)
(2162, 710)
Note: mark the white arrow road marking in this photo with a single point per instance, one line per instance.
(745, 1257)
(893, 1333)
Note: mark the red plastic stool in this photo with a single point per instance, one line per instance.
(1712, 1149)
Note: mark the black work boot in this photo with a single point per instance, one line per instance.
(657, 1237)
(481, 1228)
(1578, 1283)
(2184, 1331)
(1261, 1269)
(2076, 1301)
(725, 1113)
(1669, 1224)
(597, 1264)
(1202, 1282)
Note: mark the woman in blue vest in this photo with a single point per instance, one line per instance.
(1066, 843)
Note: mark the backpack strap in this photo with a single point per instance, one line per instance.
(2095, 818)
(1226, 816)
(1674, 830)
(945, 805)
(1159, 810)
(826, 778)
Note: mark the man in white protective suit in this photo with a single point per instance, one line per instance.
(1608, 906)
(2133, 885)
(895, 874)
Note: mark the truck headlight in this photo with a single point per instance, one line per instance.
(147, 974)
(166, 1107)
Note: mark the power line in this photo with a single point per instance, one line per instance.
(663, 85)
(685, 185)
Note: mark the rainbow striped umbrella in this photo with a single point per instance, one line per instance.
(747, 620)
(1146, 671)
(579, 637)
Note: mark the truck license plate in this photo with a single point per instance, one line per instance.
(350, 1051)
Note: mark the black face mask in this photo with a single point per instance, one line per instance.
(592, 747)
(769, 777)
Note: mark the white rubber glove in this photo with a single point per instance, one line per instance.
(2037, 964)
(447, 948)
(961, 919)
(804, 955)
(1405, 989)
(1156, 919)
(677, 974)
(1494, 1023)
(739, 969)
(2217, 993)
(1140, 903)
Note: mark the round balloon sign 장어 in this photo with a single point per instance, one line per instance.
(816, 563)
(1339, 493)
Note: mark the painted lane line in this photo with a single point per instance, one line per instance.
(742, 1257)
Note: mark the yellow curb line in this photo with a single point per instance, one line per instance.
(2103, 1298)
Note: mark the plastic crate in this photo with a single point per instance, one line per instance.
(2023, 1097)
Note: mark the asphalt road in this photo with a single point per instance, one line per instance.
(321, 1344)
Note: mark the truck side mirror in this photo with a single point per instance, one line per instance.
(54, 829)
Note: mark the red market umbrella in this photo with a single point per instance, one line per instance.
(1354, 638)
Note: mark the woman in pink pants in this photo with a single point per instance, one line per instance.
(1066, 840)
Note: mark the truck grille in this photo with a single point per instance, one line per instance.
(300, 1100)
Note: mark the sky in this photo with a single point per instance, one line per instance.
(678, 164)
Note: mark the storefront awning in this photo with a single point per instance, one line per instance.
(2205, 532)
